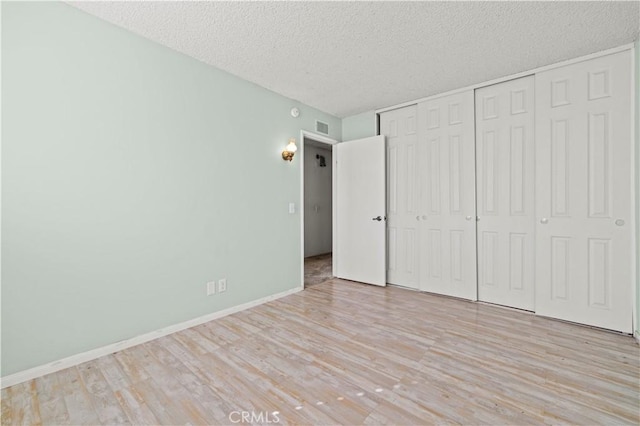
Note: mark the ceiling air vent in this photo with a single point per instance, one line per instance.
(322, 127)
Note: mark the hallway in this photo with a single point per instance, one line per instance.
(317, 269)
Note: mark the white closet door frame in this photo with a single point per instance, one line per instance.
(623, 48)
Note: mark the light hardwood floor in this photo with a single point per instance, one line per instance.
(347, 353)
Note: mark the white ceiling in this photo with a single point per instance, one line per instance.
(348, 57)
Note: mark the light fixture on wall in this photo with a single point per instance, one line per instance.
(290, 150)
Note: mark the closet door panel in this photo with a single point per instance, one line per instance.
(447, 196)
(400, 129)
(505, 184)
(584, 192)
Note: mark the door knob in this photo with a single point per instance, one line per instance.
(378, 218)
(544, 221)
(619, 222)
(469, 217)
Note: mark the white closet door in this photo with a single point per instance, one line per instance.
(505, 186)
(399, 128)
(447, 196)
(584, 192)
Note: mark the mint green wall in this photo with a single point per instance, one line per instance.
(131, 176)
(359, 126)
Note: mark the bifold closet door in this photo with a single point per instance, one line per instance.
(505, 186)
(399, 128)
(584, 192)
(447, 196)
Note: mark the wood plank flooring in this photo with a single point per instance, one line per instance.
(346, 353)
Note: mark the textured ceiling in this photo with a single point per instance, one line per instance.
(349, 57)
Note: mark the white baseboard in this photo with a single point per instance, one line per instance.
(73, 360)
(636, 335)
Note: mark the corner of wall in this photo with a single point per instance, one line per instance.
(359, 126)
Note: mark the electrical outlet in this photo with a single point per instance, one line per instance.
(211, 288)
(222, 285)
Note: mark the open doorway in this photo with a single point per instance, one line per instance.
(317, 196)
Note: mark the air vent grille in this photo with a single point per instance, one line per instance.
(322, 127)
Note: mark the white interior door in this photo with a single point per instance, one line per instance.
(584, 192)
(447, 196)
(360, 249)
(399, 127)
(505, 182)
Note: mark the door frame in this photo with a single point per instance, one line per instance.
(331, 142)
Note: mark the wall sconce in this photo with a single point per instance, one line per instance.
(290, 150)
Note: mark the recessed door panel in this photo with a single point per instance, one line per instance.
(505, 179)
(583, 192)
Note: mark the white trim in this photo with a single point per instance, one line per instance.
(334, 213)
(317, 137)
(73, 360)
(636, 336)
(0, 187)
(634, 201)
(511, 77)
(329, 141)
